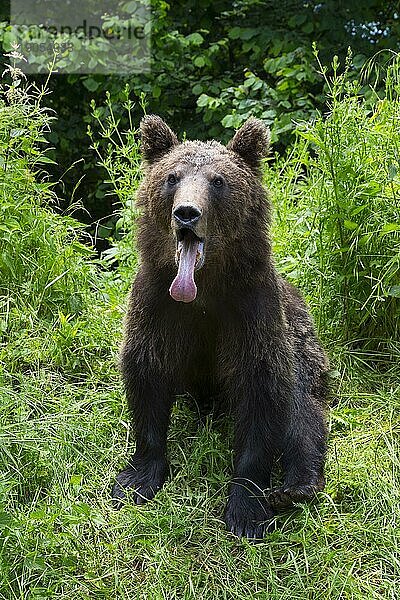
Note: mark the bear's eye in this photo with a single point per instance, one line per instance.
(172, 179)
(218, 182)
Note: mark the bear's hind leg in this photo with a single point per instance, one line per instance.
(303, 455)
(260, 414)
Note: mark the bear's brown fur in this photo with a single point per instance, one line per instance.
(232, 329)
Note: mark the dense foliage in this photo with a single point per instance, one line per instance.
(337, 195)
(46, 280)
(213, 64)
(27, 238)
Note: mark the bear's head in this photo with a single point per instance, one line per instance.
(201, 201)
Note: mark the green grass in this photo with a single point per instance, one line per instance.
(64, 432)
(63, 440)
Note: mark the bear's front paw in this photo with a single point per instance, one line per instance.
(247, 512)
(287, 495)
(145, 478)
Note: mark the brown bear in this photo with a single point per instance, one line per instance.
(209, 315)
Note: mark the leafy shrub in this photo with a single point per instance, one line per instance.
(42, 263)
(337, 196)
(49, 290)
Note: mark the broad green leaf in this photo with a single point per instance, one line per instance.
(390, 228)
(199, 61)
(195, 38)
(91, 84)
(350, 224)
(394, 291)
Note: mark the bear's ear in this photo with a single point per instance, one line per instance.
(157, 138)
(251, 141)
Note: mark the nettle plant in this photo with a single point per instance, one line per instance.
(337, 195)
(40, 255)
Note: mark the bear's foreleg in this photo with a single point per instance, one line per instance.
(150, 405)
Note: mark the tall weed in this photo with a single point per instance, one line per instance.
(48, 288)
(118, 153)
(41, 260)
(337, 228)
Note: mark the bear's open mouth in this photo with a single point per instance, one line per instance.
(189, 258)
(187, 237)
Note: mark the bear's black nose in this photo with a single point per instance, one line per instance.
(186, 215)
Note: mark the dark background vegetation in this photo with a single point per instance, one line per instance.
(214, 63)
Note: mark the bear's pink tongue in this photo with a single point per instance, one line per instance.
(183, 287)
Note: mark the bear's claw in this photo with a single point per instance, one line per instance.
(285, 496)
(143, 480)
(248, 514)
